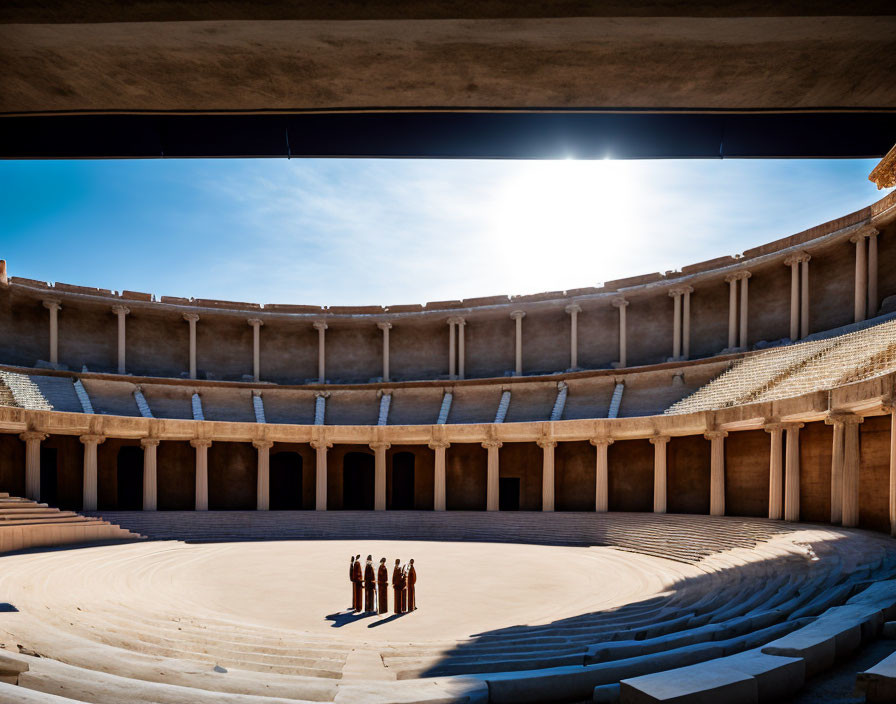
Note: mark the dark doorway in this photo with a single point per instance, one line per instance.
(286, 481)
(509, 494)
(49, 493)
(130, 479)
(357, 481)
(403, 481)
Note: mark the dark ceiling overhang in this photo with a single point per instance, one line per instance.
(449, 79)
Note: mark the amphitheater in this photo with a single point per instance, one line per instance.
(679, 487)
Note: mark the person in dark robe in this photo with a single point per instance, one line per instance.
(382, 583)
(369, 587)
(396, 586)
(357, 586)
(351, 578)
(404, 589)
(412, 581)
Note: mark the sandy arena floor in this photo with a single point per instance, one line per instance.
(462, 589)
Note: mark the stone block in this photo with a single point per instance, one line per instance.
(889, 630)
(881, 594)
(776, 676)
(707, 683)
(879, 682)
(606, 694)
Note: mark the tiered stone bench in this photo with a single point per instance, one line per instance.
(27, 524)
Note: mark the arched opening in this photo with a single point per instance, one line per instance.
(130, 478)
(49, 479)
(403, 481)
(286, 481)
(357, 481)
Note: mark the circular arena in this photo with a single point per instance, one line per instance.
(674, 488)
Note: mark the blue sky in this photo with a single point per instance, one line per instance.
(342, 232)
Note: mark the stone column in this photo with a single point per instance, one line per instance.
(452, 348)
(836, 420)
(201, 445)
(573, 309)
(53, 306)
(439, 446)
(744, 300)
(660, 444)
(873, 302)
(518, 316)
(263, 486)
(851, 470)
(461, 351)
(716, 471)
(320, 473)
(379, 474)
(547, 473)
(861, 278)
(621, 304)
(88, 499)
(732, 310)
(893, 471)
(775, 471)
(804, 297)
(321, 352)
(794, 264)
(601, 490)
(4, 281)
(385, 327)
(150, 475)
(492, 484)
(121, 312)
(792, 473)
(32, 440)
(675, 293)
(686, 323)
(256, 324)
(191, 318)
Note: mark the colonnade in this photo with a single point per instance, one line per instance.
(783, 468)
(866, 300)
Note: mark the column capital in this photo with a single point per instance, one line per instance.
(715, 434)
(321, 444)
(149, 442)
(842, 418)
(545, 443)
(262, 444)
(661, 439)
(862, 234)
(797, 258)
(679, 290)
(439, 445)
(737, 276)
(121, 310)
(319, 325)
(200, 442)
(255, 322)
(793, 425)
(191, 317)
(598, 442)
(384, 326)
(573, 308)
(873, 232)
(32, 435)
(379, 445)
(518, 314)
(773, 426)
(52, 304)
(92, 439)
(619, 302)
(489, 444)
(456, 320)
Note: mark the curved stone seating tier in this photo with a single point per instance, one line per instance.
(27, 524)
(757, 606)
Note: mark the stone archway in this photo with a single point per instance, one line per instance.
(286, 481)
(403, 481)
(130, 479)
(358, 481)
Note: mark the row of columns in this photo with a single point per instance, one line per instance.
(865, 303)
(781, 504)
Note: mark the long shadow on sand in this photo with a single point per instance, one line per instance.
(343, 618)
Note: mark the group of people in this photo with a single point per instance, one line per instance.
(370, 590)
